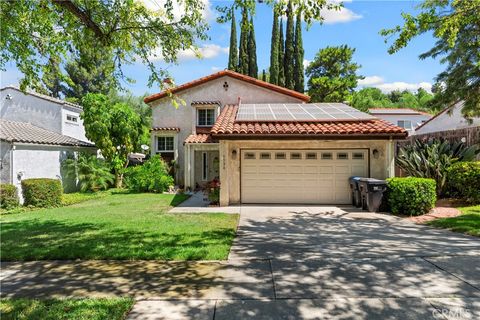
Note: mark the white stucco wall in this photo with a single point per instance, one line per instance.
(73, 129)
(37, 161)
(416, 120)
(446, 121)
(164, 114)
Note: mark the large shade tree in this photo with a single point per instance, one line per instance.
(33, 30)
(456, 26)
(333, 74)
(115, 128)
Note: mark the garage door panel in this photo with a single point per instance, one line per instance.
(300, 180)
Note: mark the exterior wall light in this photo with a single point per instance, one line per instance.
(234, 154)
(375, 153)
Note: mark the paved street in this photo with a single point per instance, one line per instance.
(287, 263)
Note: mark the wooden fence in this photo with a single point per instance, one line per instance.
(470, 136)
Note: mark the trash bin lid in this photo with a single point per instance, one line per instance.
(372, 181)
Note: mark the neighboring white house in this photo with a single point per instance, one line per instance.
(449, 119)
(36, 133)
(408, 119)
(265, 143)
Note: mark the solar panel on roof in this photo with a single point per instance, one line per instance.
(300, 112)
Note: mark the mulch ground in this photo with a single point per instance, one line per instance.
(436, 213)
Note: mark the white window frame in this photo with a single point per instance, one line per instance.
(165, 143)
(404, 123)
(204, 166)
(72, 116)
(198, 117)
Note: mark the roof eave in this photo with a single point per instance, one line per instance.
(356, 136)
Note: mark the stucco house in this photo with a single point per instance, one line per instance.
(266, 143)
(36, 133)
(450, 118)
(409, 119)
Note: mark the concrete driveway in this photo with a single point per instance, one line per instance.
(287, 263)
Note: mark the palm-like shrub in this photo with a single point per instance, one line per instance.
(432, 158)
(92, 174)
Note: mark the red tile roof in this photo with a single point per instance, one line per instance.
(232, 74)
(199, 138)
(226, 125)
(165, 129)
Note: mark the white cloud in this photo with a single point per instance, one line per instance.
(205, 51)
(370, 81)
(215, 68)
(339, 16)
(178, 9)
(386, 87)
(306, 63)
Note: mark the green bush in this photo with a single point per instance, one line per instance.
(463, 181)
(8, 196)
(152, 176)
(77, 197)
(412, 196)
(42, 192)
(93, 174)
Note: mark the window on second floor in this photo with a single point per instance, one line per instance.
(205, 117)
(72, 118)
(406, 124)
(165, 144)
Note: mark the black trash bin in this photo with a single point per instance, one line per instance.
(371, 191)
(356, 196)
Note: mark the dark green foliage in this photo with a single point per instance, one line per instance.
(274, 48)
(411, 196)
(93, 174)
(8, 196)
(252, 52)
(52, 77)
(152, 176)
(264, 75)
(289, 60)
(431, 159)
(374, 98)
(91, 70)
(455, 25)
(42, 192)
(463, 181)
(243, 51)
(233, 52)
(281, 55)
(298, 56)
(333, 75)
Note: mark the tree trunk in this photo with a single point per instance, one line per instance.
(118, 179)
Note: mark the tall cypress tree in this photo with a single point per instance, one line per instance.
(252, 52)
(233, 53)
(264, 75)
(289, 49)
(298, 54)
(281, 67)
(243, 52)
(274, 48)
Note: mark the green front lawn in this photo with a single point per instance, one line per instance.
(468, 222)
(71, 309)
(117, 226)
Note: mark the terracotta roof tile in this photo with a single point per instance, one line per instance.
(227, 125)
(199, 138)
(165, 129)
(13, 131)
(232, 74)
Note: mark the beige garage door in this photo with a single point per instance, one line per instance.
(300, 176)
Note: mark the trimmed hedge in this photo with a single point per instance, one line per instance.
(412, 196)
(42, 192)
(463, 181)
(8, 196)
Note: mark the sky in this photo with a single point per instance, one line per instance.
(356, 25)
